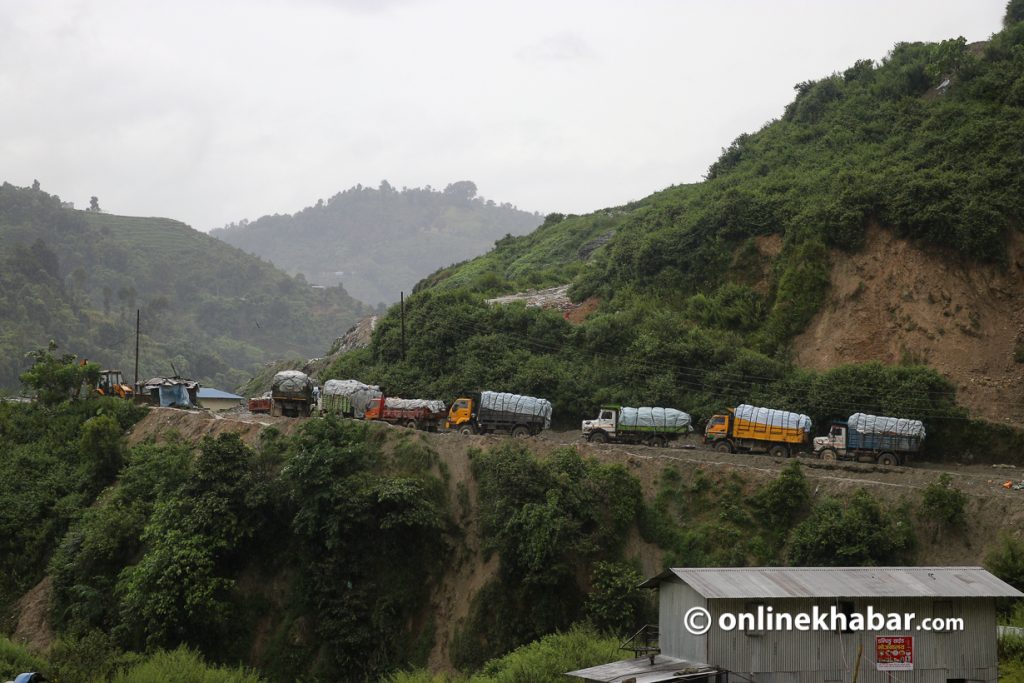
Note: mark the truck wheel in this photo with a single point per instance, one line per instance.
(597, 437)
(888, 459)
(520, 432)
(467, 430)
(779, 451)
(828, 455)
(723, 447)
(411, 424)
(657, 441)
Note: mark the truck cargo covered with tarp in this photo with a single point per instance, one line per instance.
(413, 404)
(769, 424)
(348, 397)
(875, 432)
(291, 384)
(653, 419)
(503, 406)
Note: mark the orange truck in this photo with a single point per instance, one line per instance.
(751, 429)
(413, 413)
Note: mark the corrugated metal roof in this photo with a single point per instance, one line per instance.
(841, 582)
(207, 392)
(641, 669)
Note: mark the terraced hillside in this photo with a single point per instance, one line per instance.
(211, 310)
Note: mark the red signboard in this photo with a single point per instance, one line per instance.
(894, 653)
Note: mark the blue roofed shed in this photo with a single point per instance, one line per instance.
(216, 400)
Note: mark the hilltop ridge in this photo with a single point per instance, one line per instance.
(212, 310)
(380, 241)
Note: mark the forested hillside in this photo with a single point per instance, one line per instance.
(339, 550)
(215, 312)
(700, 289)
(379, 242)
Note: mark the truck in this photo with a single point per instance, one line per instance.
(261, 404)
(651, 426)
(291, 394)
(487, 412)
(751, 429)
(871, 438)
(414, 413)
(348, 397)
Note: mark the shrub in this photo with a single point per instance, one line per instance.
(616, 604)
(859, 533)
(15, 659)
(182, 666)
(944, 503)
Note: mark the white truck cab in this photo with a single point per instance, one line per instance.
(836, 440)
(605, 422)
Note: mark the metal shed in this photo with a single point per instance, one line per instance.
(760, 654)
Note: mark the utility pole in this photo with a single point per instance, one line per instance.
(402, 304)
(138, 317)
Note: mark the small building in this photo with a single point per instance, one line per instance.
(170, 392)
(744, 624)
(217, 400)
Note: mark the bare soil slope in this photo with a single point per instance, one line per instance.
(893, 301)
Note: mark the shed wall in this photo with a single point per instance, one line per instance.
(675, 598)
(799, 657)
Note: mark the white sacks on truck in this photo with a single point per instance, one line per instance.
(414, 403)
(359, 394)
(668, 419)
(514, 403)
(772, 417)
(291, 382)
(887, 426)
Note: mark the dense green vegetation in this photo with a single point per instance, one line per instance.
(543, 661)
(379, 242)
(54, 461)
(643, 356)
(314, 556)
(216, 313)
(695, 311)
(547, 521)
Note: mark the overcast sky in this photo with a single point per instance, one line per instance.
(214, 111)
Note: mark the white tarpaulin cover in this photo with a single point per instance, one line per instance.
(413, 403)
(514, 403)
(359, 394)
(889, 426)
(772, 417)
(665, 418)
(291, 382)
(348, 387)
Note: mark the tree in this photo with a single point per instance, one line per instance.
(58, 379)
(1014, 13)
(463, 190)
(94, 203)
(35, 185)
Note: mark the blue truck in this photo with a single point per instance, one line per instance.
(871, 438)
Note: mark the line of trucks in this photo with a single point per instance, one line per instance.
(743, 429)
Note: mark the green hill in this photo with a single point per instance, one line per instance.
(703, 287)
(215, 312)
(379, 242)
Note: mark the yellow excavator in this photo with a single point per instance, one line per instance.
(112, 384)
